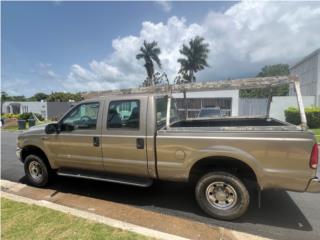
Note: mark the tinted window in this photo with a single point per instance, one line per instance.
(83, 116)
(124, 114)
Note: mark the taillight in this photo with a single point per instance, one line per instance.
(314, 157)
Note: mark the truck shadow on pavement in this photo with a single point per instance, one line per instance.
(177, 199)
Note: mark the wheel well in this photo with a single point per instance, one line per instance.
(35, 151)
(231, 165)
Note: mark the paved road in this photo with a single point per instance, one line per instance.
(283, 215)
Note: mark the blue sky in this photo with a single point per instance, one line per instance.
(83, 46)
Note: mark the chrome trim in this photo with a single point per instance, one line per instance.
(105, 179)
(238, 138)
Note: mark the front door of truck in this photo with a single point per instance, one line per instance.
(80, 137)
(124, 136)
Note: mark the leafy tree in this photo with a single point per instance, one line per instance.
(64, 97)
(39, 96)
(158, 79)
(150, 53)
(195, 60)
(274, 70)
(20, 98)
(269, 71)
(5, 97)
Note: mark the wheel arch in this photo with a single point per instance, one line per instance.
(34, 150)
(228, 164)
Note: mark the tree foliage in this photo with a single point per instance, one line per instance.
(195, 59)
(159, 79)
(53, 97)
(269, 71)
(5, 97)
(150, 53)
(64, 97)
(38, 97)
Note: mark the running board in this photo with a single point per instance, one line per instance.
(127, 180)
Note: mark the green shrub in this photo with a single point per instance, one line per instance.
(29, 115)
(9, 115)
(312, 113)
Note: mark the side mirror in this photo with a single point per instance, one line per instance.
(51, 128)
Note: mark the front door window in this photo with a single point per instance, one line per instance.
(83, 116)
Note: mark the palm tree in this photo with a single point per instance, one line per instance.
(196, 59)
(150, 53)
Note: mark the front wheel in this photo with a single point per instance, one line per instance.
(36, 171)
(222, 195)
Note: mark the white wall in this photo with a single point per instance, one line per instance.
(233, 94)
(280, 104)
(36, 107)
(308, 70)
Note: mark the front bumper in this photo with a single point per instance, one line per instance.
(314, 185)
(18, 153)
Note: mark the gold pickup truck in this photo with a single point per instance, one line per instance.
(138, 138)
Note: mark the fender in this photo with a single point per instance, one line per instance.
(230, 152)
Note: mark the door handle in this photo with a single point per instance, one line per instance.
(96, 141)
(140, 143)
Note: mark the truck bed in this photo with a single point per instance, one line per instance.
(234, 123)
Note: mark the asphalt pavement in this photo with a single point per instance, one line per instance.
(283, 215)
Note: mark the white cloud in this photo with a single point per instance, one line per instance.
(243, 39)
(165, 5)
(44, 70)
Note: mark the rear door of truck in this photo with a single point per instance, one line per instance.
(123, 139)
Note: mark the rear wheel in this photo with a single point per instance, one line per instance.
(222, 195)
(36, 171)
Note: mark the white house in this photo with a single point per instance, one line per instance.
(308, 70)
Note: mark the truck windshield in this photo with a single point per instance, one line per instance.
(161, 111)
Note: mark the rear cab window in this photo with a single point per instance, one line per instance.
(161, 111)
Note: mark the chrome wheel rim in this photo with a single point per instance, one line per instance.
(35, 170)
(221, 195)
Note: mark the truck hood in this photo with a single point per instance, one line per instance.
(39, 129)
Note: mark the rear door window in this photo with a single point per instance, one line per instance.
(124, 114)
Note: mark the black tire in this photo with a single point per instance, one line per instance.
(240, 199)
(43, 178)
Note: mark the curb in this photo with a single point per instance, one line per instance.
(14, 187)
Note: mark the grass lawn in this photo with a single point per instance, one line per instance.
(317, 133)
(24, 221)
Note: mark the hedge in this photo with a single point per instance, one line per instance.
(312, 113)
(10, 115)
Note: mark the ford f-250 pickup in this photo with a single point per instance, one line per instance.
(137, 138)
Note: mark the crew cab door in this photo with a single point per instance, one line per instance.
(124, 136)
(80, 137)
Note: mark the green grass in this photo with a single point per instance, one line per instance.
(24, 221)
(316, 131)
